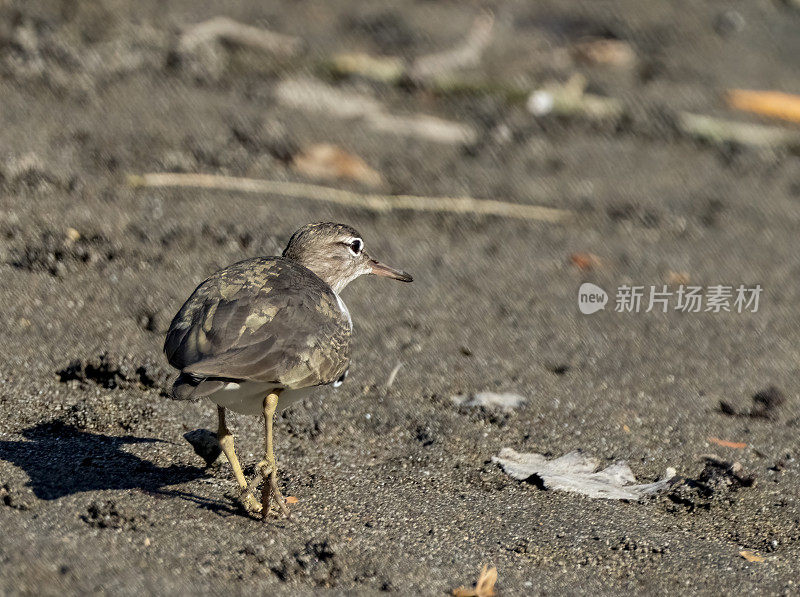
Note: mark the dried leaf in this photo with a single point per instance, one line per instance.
(329, 162)
(585, 261)
(775, 104)
(727, 444)
(677, 278)
(609, 52)
(751, 556)
(483, 588)
(577, 473)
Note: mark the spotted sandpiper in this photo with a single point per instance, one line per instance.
(259, 334)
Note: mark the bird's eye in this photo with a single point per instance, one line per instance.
(355, 246)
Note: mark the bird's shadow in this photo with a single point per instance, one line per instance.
(62, 460)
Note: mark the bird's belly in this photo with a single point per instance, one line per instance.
(247, 398)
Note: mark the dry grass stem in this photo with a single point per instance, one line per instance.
(370, 202)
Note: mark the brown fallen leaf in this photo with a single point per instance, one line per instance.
(751, 556)
(483, 588)
(585, 261)
(677, 278)
(727, 444)
(607, 52)
(775, 104)
(326, 161)
(290, 499)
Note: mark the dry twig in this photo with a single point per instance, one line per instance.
(467, 53)
(393, 375)
(422, 126)
(570, 98)
(718, 131)
(370, 202)
(233, 32)
(312, 95)
(306, 94)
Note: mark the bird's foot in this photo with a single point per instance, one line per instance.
(249, 501)
(270, 491)
(251, 504)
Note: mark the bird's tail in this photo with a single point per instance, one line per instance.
(187, 387)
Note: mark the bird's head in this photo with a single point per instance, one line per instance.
(335, 252)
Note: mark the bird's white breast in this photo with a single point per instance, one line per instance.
(344, 309)
(247, 397)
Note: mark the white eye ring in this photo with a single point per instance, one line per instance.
(356, 245)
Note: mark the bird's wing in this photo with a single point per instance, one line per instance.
(265, 319)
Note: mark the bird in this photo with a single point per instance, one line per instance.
(258, 335)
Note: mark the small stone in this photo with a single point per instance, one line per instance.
(729, 22)
(205, 444)
(9, 498)
(766, 402)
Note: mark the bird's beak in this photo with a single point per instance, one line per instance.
(381, 269)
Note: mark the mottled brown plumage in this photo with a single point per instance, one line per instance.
(267, 319)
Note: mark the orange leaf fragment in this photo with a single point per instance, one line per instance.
(726, 444)
(751, 556)
(585, 261)
(329, 162)
(612, 52)
(775, 104)
(483, 588)
(677, 278)
(290, 499)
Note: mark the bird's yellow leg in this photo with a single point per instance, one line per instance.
(269, 490)
(225, 439)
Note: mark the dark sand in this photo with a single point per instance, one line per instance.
(396, 490)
